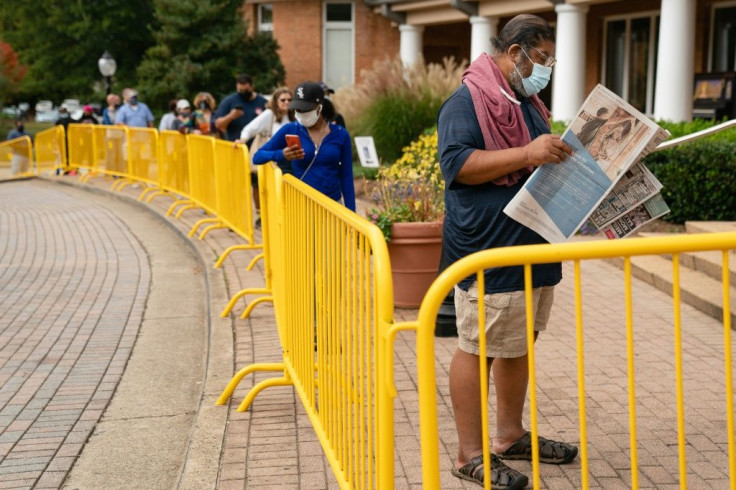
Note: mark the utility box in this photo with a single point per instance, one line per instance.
(713, 95)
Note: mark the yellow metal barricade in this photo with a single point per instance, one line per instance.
(141, 156)
(50, 145)
(82, 151)
(173, 164)
(267, 194)
(334, 308)
(537, 254)
(16, 158)
(201, 156)
(112, 156)
(233, 207)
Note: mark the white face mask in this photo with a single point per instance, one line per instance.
(308, 119)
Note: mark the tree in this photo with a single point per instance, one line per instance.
(201, 46)
(60, 41)
(11, 71)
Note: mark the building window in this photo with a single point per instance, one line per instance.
(339, 53)
(265, 17)
(723, 39)
(630, 58)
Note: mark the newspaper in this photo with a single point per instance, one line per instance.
(636, 186)
(607, 136)
(644, 213)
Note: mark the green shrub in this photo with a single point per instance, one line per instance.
(698, 179)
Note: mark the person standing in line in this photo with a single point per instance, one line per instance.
(323, 158)
(134, 113)
(204, 110)
(238, 109)
(184, 122)
(19, 162)
(108, 113)
(493, 131)
(88, 116)
(277, 114)
(167, 120)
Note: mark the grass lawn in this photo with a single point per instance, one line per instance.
(32, 127)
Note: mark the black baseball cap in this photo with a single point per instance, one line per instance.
(306, 96)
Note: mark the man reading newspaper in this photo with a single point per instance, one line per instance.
(493, 131)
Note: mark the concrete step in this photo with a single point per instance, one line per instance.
(697, 289)
(709, 226)
(708, 262)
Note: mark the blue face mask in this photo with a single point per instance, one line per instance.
(538, 79)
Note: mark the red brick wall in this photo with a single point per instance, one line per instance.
(297, 26)
(375, 38)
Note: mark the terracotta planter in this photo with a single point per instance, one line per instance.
(415, 250)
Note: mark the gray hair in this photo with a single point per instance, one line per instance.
(526, 29)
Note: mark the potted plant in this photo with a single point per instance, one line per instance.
(408, 206)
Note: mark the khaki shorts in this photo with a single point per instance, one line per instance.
(505, 320)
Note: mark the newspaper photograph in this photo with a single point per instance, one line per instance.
(640, 215)
(636, 186)
(607, 136)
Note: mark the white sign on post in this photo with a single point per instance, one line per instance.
(366, 151)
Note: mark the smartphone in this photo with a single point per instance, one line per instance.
(293, 139)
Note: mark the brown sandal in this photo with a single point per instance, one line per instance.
(550, 452)
(502, 476)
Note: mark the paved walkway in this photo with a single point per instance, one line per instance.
(273, 445)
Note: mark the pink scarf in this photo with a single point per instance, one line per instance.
(501, 120)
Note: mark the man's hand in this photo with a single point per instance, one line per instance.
(548, 148)
(293, 152)
(235, 113)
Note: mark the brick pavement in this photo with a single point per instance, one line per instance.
(73, 286)
(273, 445)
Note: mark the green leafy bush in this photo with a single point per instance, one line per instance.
(698, 179)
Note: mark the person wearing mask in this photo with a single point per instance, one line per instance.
(329, 111)
(204, 107)
(88, 116)
(238, 109)
(19, 162)
(268, 122)
(323, 158)
(492, 132)
(134, 113)
(108, 113)
(184, 122)
(167, 120)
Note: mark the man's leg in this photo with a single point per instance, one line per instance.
(510, 377)
(466, 405)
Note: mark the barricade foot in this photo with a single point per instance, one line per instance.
(176, 204)
(148, 191)
(230, 388)
(184, 208)
(254, 261)
(210, 228)
(253, 304)
(233, 248)
(246, 403)
(199, 223)
(156, 194)
(239, 295)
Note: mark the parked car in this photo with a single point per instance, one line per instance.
(72, 105)
(51, 115)
(44, 105)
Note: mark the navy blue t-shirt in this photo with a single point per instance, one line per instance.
(474, 218)
(251, 108)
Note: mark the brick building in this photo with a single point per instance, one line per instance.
(648, 51)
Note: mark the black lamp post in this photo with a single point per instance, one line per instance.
(107, 67)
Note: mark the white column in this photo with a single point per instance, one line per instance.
(482, 29)
(568, 89)
(673, 96)
(410, 43)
